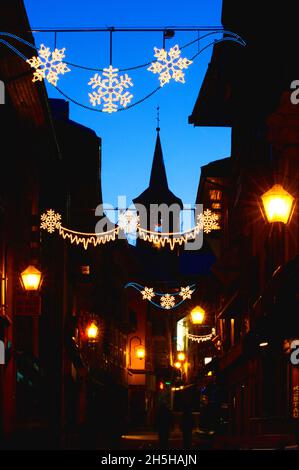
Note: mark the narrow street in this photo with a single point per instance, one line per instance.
(149, 226)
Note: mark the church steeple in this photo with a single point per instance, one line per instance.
(158, 172)
(158, 191)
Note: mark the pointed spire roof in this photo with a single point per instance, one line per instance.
(158, 191)
(158, 173)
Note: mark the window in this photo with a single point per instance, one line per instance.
(215, 194)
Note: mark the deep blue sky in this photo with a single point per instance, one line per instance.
(128, 137)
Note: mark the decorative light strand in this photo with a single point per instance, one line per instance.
(169, 65)
(48, 65)
(202, 338)
(51, 221)
(129, 223)
(167, 301)
(110, 90)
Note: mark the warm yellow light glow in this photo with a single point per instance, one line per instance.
(181, 356)
(264, 344)
(202, 338)
(148, 293)
(178, 365)
(51, 221)
(48, 65)
(168, 238)
(169, 65)
(167, 301)
(197, 315)
(278, 204)
(186, 292)
(92, 331)
(208, 221)
(140, 352)
(110, 90)
(31, 278)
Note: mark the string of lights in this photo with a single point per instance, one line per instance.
(110, 91)
(166, 301)
(202, 338)
(129, 224)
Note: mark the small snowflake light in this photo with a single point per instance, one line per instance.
(48, 65)
(128, 221)
(50, 221)
(167, 301)
(186, 292)
(147, 293)
(169, 65)
(208, 221)
(110, 90)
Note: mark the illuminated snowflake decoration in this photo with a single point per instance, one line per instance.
(147, 293)
(169, 65)
(167, 301)
(128, 221)
(186, 293)
(48, 65)
(110, 90)
(208, 221)
(50, 221)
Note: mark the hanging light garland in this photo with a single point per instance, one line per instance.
(110, 90)
(51, 221)
(129, 223)
(168, 301)
(202, 338)
(48, 65)
(169, 65)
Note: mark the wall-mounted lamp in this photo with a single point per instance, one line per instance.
(197, 315)
(139, 350)
(278, 204)
(31, 279)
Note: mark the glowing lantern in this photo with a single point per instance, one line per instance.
(197, 315)
(31, 278)
(178, 365)
(278, 204)
(92, 332)
(140, 352)
(181, 356)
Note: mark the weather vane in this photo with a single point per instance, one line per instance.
(158, 118)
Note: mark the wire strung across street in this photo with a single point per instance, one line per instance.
(228, 36)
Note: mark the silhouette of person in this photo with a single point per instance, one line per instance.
(164, 423)
(187, 426)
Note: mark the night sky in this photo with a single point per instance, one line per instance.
(129, 136)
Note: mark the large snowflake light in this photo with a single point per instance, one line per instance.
(186, 293)
(208, 221)
(110, 90)
(148, 293)
(169, 65)
(50, 221)
(167, 301)
(48, 65)
(128, 221)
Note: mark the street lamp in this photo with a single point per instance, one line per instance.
(278, 204)
(31, 279)
(139, 349)
(140, 352)
(177, 364)
(181, 356)
(197, 315)
(92, 332)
